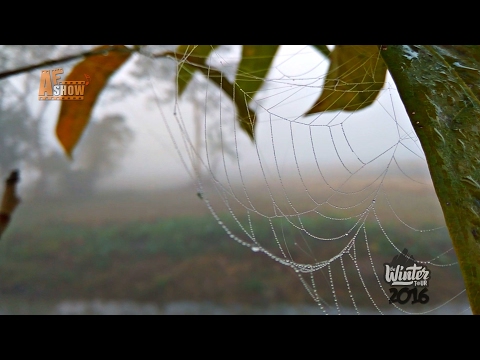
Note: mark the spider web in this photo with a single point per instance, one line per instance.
(334, 195)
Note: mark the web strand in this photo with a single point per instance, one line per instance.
(313, 192)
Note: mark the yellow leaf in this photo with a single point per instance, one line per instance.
(75, 115)
(354, 79)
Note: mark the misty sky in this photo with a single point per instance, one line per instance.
(152, 160)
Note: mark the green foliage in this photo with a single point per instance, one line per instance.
(354, 79)
(197, 54)
(350, 85)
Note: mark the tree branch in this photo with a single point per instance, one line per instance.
(10, 200)
(49, 63)
(444, 112)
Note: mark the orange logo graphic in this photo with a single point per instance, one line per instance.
(52, 88)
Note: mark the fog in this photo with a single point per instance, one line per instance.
(154, 159)
(133, 174)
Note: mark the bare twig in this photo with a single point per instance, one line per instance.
(10, 200)
(48, 63)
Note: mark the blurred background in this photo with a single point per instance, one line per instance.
(122, 228)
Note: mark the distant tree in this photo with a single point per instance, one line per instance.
(22, 140)
(103, 145)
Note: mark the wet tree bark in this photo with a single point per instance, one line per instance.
(440, 88)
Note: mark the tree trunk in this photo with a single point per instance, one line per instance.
(440, 87)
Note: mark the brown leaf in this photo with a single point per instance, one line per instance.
(354, 79)
(75, 114)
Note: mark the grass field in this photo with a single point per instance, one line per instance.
(164, 246)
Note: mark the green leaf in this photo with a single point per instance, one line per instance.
(75, 114)
(323, 49)
(355, 77)
(254, 66)
(252, 70)
(246, 116)
(197, 54)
